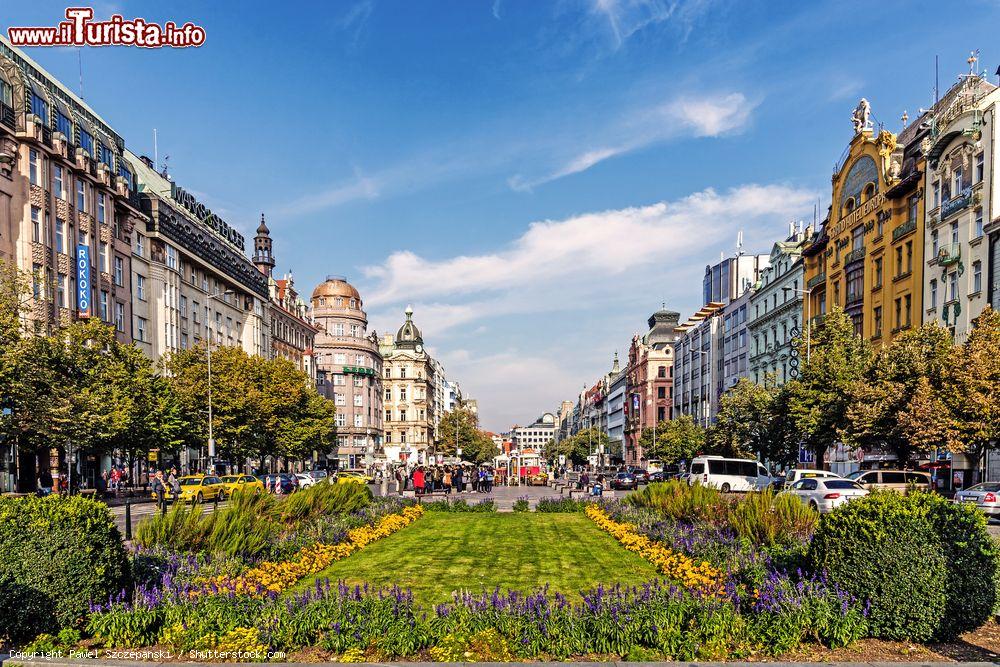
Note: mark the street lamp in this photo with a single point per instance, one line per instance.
(808, 300)
(211, 439)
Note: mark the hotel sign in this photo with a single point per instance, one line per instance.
(204, 214)
(855, 216)
(83, 286)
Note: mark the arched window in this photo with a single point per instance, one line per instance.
(849, 205)
(869, 191)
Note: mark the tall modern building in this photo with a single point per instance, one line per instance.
(775, 311)
(614, 406)
(351, 364)
(408, 400)
(649, 381)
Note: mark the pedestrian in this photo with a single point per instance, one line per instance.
(399, 481)
(418, 481)
(160, 491)
(446, 480)
(45, 482)
(439, 478)
(474, 481)
(175, 485)
(488, 476)
(459, 479)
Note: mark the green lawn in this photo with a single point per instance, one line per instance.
(442, 552)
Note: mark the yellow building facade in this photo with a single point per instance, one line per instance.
(868, 255)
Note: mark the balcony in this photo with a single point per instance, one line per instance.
(854, 255)
(949, 254)
(956, 203)
(7, 116)
(816, 280)
(903, 230)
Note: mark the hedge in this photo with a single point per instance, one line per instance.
(57, 554)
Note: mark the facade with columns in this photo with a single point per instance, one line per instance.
(350, 364)
(409, 395)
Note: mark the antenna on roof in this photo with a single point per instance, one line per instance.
(79, 61)
(739, 243)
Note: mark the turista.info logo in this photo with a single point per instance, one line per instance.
(80, 29)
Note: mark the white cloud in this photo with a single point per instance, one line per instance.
(707, 115)
(621, 19)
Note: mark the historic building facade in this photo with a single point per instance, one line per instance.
(536, 435)
(868, 257)
(775, 311)
(351, 366)
(962, 244)
(408, 400)
(649, 381)
(614, 406)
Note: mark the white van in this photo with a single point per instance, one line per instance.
(729, 474)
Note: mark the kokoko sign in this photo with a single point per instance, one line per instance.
(83, 287)
(204, 214)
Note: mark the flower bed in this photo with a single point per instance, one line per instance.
(693, 575)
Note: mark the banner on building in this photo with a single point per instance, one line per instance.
(83, 287)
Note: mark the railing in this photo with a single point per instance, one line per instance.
(904, 229)
(956, 203)
(816, 280)
(854, 255)
(7, 116)
(949, 254)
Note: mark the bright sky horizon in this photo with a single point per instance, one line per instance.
(535, 178)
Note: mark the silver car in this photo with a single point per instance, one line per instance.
(825, 495)
(985, 496)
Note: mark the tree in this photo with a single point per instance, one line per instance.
(897, 404)
(745, 424)
(458, 429)
(973, 394)
(676, 440)
(819, 399)
(578, 447)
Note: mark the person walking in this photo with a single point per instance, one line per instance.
(439, 478)
(160, 489)
(45, 482)
(446, 480)
(418, 481)
(459, 479)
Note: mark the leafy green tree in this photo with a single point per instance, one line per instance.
(818, 401)
(746, 421)
(973, 388)
(578, 447)
(676, 440)
(458, 429)
(897, 405)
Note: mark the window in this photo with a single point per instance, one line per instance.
(57, 181)
(358, 381)
(103, 304)
(979, 224)
(34, 167)
(878, 272)
(64, 125)
(359, 421)
(402, 372)
(953, 285)
(184, 305)
(105, 155)
(978, 171)
(6, 92)
(954, 232)
(338, 329)
(899, 313)
(661, 372)
(356, 330)
(934, 243)
(81, 196)
(36, 224)
(340, 359)
(87, 142)
(359, 360)
(388, 394)
(661, 392)
(102, 256)
(341, 419)
(909, 256)
(140, 287)
(358, 401)
(171, 257)
(908, 300)
(126, 175)
(140, 329)
(82, 238)
(877, 316)
(402, 393)
(119, 272)
(102, 214)
(977, 277)
(140, 245)
(936, 194)
(956, 182)
(60, 235)
(339, 399)
(388, 415)
(37, 281)
(120, 316)
(934, 293)
(912, 209)
(62, 295)
(402, 415)
(899, 262)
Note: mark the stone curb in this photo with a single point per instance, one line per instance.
(7, 661)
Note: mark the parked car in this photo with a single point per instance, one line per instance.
(824, 494)
(640, 475)
(986, 497)
(656, 476)
(896, 480)
(729, 474)
(353, 476)
(199, 488)
(310, 478)
(241, 483)
(288, 482)
(792, 476)
(624, 480)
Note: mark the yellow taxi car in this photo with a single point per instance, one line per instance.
(199, 488)
(353, 477)
(241, 484)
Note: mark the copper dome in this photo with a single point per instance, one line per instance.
(335, 286)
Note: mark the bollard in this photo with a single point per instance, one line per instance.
(128, 520)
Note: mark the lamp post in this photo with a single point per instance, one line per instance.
(211, 439)
(808, 327)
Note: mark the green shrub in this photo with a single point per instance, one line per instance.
(460, 506)
(883, 548)
(682, 502)
(57, 554)
(971, 560)
(560, 505)
(521, 505)
(767, 519)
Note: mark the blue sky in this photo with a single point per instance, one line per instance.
(534, 177)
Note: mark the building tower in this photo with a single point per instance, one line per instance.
(263, 255)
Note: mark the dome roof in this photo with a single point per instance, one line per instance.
(335, 286)
(408, 334)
